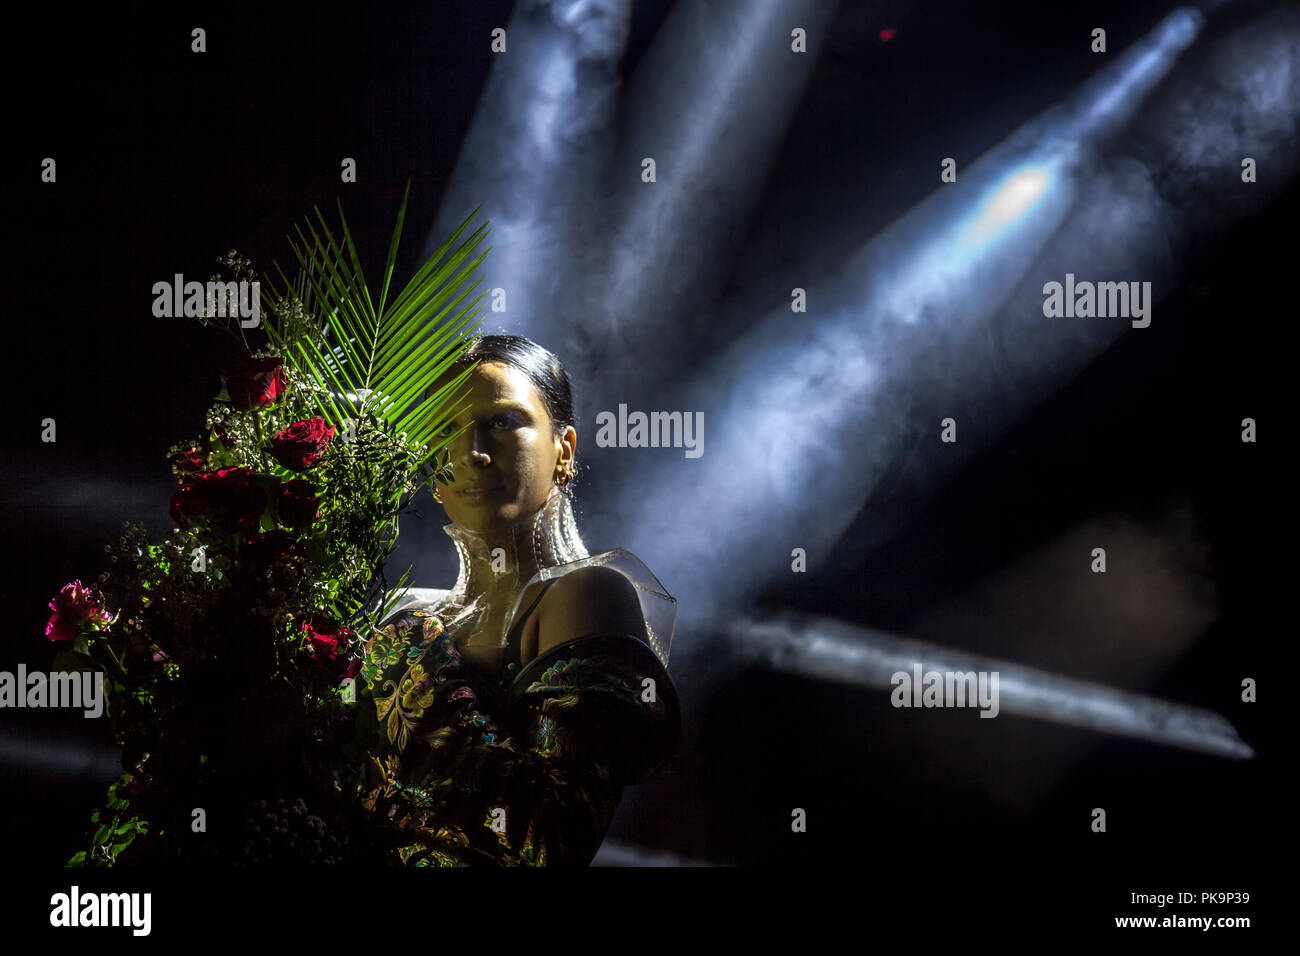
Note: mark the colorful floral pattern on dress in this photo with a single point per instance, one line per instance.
(474, 772)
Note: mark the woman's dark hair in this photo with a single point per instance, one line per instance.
(540, 366)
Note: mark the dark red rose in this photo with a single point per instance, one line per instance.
(226, 499)
(353, 670)
(296, 503)
(254, 382)
(74, 607)
(329, 644)
(191, 461)
(299, 445)
(179, 519)
(262, 550)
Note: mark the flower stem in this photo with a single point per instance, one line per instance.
(261, 440)
(121, 671)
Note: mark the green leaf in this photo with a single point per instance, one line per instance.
(394, 595)
(381, 358)
(66, 661)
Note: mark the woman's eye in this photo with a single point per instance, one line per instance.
(451, 427)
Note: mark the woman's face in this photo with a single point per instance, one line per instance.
(508, 453)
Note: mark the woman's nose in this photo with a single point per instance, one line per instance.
(474, 447)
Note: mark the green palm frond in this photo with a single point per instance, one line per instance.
(380, 357)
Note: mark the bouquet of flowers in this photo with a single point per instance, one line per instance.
(230, 648)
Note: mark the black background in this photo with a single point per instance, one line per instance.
(167, 158)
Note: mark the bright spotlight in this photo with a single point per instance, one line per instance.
(1008, 202)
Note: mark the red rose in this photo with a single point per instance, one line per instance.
(262, 550)
(254, 382)
(329, 644)
(299, 445)
(225, 498)
(296, 503)
(190, 462)
(74, 607)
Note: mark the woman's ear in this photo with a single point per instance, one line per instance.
(568, 444)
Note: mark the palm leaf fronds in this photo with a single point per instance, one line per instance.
(380, 357)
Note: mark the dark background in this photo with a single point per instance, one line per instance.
(166, 159)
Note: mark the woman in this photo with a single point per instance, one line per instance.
(514, 708)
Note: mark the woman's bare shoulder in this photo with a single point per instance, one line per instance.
(590, 600)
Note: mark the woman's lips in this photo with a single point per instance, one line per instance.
(480, 492)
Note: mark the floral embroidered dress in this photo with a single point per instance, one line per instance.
(520, 768)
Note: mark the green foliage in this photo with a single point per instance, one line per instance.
(214, 673)
(114, 830)
(378, 358)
